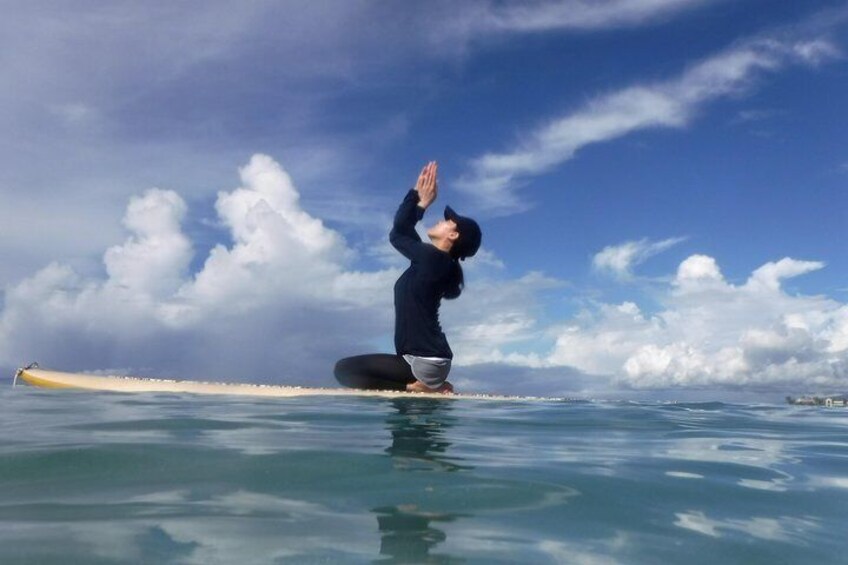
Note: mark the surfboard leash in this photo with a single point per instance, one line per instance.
(32, 365)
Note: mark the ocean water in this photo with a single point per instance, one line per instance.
(163, 478)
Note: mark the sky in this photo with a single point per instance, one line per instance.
(205, 189)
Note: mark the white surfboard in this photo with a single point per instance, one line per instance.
(58, 380)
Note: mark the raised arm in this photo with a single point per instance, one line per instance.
(403, 236)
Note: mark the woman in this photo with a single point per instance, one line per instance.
(423, 358)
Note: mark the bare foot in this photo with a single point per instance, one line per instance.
(446, 388)
(418, 386)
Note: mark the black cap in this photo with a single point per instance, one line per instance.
(470, 235)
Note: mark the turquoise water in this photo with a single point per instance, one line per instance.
(160, 478)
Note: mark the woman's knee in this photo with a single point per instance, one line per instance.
(374, 370)
(344, 369)
(341, 366)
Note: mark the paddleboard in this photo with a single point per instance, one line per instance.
(59, 380)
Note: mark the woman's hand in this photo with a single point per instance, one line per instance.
(427, 185)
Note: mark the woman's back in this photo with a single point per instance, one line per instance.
(418, 294)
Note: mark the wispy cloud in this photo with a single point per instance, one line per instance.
(619, 260)
(494, 177)
(134, 89)
(575, 14)
(756, 115)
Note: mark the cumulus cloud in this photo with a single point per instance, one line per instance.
(155, 259)
(279, 302)
(698, 270)
(597, 341)
(619, 260)
(279, 252)
(282, 301)
(497, 320)
(274, 302)
(710, 332)
(493, 177)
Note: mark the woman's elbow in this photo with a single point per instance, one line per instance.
(394, 237)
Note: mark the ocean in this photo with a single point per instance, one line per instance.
(164, 478)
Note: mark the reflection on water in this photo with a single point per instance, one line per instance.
(156, 479)
(157, 546)
(418, 429)
(419, 444)
(408, 534)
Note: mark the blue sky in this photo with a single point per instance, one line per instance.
(204, 189)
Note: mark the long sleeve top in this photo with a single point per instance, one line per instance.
(419, 290)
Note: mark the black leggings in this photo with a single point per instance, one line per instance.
(377, 371)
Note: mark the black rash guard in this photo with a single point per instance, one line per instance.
(419, 290)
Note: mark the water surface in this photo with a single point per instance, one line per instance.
(165, 478)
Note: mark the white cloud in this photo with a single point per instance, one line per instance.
(282, 302)
(496, 316)
(155, 259)
(273, 302)
(756, 115)
(619, 260)
(598, 341)
(493, 177)
(573, 14)
(782, 528)
(276, 246)
(816, 51)
(770, 274)
(698, 268)
(133, 89)
(713, 333)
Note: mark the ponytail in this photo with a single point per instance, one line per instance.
(455, 282)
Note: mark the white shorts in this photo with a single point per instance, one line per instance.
(432, 371)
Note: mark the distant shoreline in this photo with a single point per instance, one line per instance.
(829, 401)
